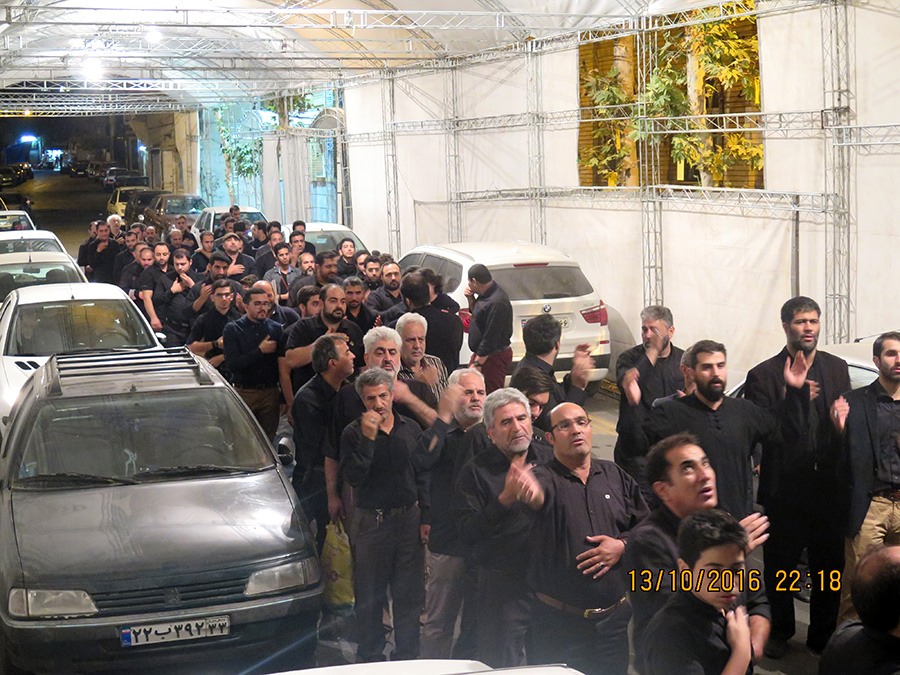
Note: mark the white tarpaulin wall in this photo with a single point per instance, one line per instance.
(187, 142)
(285, 176)
(725, 276)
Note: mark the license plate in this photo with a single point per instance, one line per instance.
(563, 322)
(155, 633)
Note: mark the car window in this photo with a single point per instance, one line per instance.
(19, 275)
(327, 240)
(861, 377)
(249, 216)
(452, 275)
(76, 325)
(125, 436)
(184, 205)
(545, 282)
(15, 222)
(28, 245)
(203, 222)
(432, 262)
(411, 260)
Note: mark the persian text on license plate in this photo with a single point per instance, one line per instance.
(563, 322)
(154, 633)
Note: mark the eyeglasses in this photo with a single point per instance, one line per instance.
(565, 425)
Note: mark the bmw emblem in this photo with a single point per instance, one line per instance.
(546, 309)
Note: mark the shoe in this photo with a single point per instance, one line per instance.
(803, 595)
(815, 650)
(775, 649)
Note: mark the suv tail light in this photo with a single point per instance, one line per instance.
(466, 316)
(596, 314)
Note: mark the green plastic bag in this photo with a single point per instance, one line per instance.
(337, 567)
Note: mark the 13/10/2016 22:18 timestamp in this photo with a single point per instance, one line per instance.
(713, 580)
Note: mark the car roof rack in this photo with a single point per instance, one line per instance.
(178, 360)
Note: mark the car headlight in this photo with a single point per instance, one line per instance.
(44, 603)
(292, 575)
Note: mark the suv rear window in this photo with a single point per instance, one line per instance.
(327, 240)
(546, 282)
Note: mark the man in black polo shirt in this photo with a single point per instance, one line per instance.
(298, 347)
(541, 335)
(240, 264)
(325, 272)
(171, 299)
(388, 294)
(286, 316)
(206, 335)
(495, 526)
(126, 254)
(703, 628)
(490, 328)
(265, 255)
(300, 226)
(148, 280)
(250, 344)
(357, 311)
(101, 255)
(311, 411)
(378, 460)
(586, 508)
(373, 272)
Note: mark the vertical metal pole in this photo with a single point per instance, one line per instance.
(390, 162)
(534, 103)
(451, 106)
(795, 248)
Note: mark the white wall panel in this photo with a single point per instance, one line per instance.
(561, 157)
(493, 160)
(419, 179)
(369, 199)
(492, 89)
(790, 61)
(877, 34)
(420, 98)
(362, 106)
(559, 76)
(794, 164)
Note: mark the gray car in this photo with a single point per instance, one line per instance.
(147, 521)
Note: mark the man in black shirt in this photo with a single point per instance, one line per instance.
(388, 294)
(250, 344)
(495, 526)
(201, 294)
(704, 629)
(378, 459)
(645, 373)
(101, 255)
(131, 273)
(445, 330)
(347, 259)
(357, 311)
(265, 255)
(373, 272)
(585, 510)
(206, 335)
(490, 328)
(148, 280)
(541, 335)
(286, 316)
(126, 255)
(171, 299)
(444, 449)
(325, 273)
(240, 265)
(798, 482)
(300, 226)
(311, 411)
(684, 482)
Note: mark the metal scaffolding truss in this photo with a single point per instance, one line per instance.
(803, 124)
(732, 201)
(868, 138)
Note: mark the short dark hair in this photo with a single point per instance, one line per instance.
(250, 292)
(414, 289)
(703, 347)
(222, 283)
(480, 273)
(345, 240)
(325, 350)
(794, 306)
(273, 225)
(297, 233)
(307, 293)
(158, 244)
(242, 225)
(220, 256)
(540, 334)
(432, 279)
(180, 253)
(373, 259)
(531, 381)
(355, 282)
(327, 288)
(280, 246)
(876, 593)
(273, 230)
(322, 256)
(658, 458)
(707, 529)
(360, 252)
(298, 223)
(878, 345)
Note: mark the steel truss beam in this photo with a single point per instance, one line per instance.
(868, 138)
(787, 124)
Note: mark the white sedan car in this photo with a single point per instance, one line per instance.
(37, 268)
(15, 220)
(210, 219)
(25, 241)
(39, 321)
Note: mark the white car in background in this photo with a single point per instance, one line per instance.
(15, 221)
(24, 241)
(37, 268)
(39, 321)
(538, 280)
(210, 219)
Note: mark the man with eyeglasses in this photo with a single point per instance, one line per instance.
(206, 335)
(250, 344)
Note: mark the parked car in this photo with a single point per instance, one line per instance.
(26, 169)
(138, 201)
(109, 180)
(24, 241)
(326, 236)
(210, 219)
(15, 220)
(119, 199)
(9, 177)
(149, 523)
(538, 280)
(36, 268)
(98, 170)
(78, 169)
(38, 321)
(18, 202)
(135, 179)
(165, 209)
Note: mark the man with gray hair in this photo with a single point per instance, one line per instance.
(494, 525)
(379, 460)
(415, 363)
(455, 436)
(644, 373)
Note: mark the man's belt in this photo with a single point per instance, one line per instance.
(888, 493)
(384, 513)
(255, 387)
(576, 611)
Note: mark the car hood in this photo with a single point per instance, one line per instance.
(153, 529)
(16, 370)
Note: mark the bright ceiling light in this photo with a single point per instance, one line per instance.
(92, 69)
(26, 112)
(153, 36)
(28, 138)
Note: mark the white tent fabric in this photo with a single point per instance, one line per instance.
(187, 142)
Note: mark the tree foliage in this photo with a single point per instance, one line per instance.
(608, 155)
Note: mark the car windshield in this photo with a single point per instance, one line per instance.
(9, 221)
(76, 325)
(544, 282)
(249, 216)
(143, 199)
(129, 437)
(328, 240)
(19, 275)
(184, 205)
(27, 245)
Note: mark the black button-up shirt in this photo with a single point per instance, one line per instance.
(381, 299)
(312, 411)
(173, 308)
(382, 471)
(249, 367)
(656, 381)
(491, 326)
(365, 320)
(306, 331)
(887, 459)
(209, 328)
(609, 503)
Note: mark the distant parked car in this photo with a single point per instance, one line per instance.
(211, 218)
(109, 180)
(132, 180)
(78, 169)
(26, 169)
(327, 236)
(9, 177)
(165, 209)
(119, 199)
(16, 201)
(538, 280)
(15, 220)
(138, 201)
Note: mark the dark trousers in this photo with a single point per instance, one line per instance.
(387, 552)
(593, 647)
(495, 369)
(466, 646)
(789, 534)
(264, 404)
(176, 336)
(504, 613)
(310, 488)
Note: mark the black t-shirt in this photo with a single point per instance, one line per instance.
(308, 330)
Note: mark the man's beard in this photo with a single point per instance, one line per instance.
(665, 344)
(709, 393)
(333, 317)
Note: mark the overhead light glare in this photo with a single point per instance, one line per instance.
(92, 69)
(28, 138)
(153, 36)
(26, 112)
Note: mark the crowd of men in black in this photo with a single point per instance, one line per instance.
(538, 551)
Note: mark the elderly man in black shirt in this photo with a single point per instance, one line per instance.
(312, 409)
(378, 458)
(684, 482)
(586, 508)
(495, 526)
(645, 373)
(490, 328)
(250, 344)
(206, 334)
